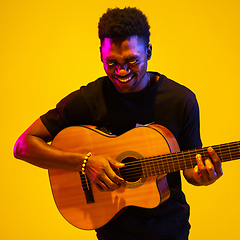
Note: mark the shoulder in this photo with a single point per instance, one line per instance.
(96, 85)
(177, 87)
(174, 91)
(93, 88)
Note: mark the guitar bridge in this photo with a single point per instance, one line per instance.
(86, 186)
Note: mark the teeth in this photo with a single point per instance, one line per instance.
(124, 80)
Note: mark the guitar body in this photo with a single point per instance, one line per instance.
(67, 186)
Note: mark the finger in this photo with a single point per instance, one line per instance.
(216, 161)
(113, 176)
(213, 155)
(104, 183)
(102, 186)
(110, 172)
(197, 174)
(202, 169)
(108, 185)
(107, 179)
(212, 175)
(115, 163)
(200, 163)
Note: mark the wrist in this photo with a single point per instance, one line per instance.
(85, 162)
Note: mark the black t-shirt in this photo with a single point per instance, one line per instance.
(166, 103)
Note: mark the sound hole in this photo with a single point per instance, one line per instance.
(132, 171)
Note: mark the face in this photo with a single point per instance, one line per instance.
(125, 63)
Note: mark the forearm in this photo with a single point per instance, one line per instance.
(36, 151)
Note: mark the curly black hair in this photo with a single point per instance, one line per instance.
(124, 23)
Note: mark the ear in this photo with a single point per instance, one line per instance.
(149, 51)
(100, 49)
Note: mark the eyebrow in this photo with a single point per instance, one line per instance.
(126, 59)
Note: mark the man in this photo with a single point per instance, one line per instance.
(126, 97)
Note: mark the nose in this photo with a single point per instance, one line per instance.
(122, 70)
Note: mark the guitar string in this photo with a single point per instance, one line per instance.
(178, 159)
(169, 159)
(139, 173)
(152, 169)
(224, 153)
(164, 159)
(175, 157)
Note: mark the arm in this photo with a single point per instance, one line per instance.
(204, 174)
(33, 148)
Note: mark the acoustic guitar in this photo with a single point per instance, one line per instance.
(149, 153)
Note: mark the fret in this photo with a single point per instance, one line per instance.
(205, 154)
(187, 159)
(229, 152)
(165, 157)
(193, 158)
(183, 164)
(158, 166)
(163, 166)
(150, 166)
(235, 153)
(190, 157)
(173, 164)
(220, 152)
(238, 150)
(147, 168)
(153, 166)
(144, 169)
(179, 166)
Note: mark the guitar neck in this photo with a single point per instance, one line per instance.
(186, 159)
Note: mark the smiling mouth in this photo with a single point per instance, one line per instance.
(124, 79)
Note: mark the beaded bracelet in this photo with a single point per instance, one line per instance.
(85, 161)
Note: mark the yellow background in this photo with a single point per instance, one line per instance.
(50, 48)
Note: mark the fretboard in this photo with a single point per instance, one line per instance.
(187, 159)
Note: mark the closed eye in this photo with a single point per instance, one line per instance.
(133, 61)
(111, 63)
